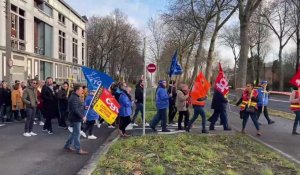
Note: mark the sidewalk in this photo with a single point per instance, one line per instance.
(43, 154)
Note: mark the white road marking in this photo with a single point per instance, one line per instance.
(279, 100)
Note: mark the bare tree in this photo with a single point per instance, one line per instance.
(279, 19)
(297, 22)
(225, 9)
(246, 9)
(231, 39)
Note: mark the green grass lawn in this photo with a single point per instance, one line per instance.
(192, 154)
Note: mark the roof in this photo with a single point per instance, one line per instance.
(83, 18)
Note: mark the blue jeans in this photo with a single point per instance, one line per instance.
(30, 114)
(297, 120)
(198, 110)
(161, 115)
(5, 113)
(74, 137)
(253, 117)
(223, 116)
(139, 107)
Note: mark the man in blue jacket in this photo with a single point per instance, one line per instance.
(162, 103)
(263, 99)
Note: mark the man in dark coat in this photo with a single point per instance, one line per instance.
(139, 100)
(219, 104)
(50, 105)
(63, 105)
(5, 102)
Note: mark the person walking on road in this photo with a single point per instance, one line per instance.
(50, 106)
(182, 103)
(76, 117)
(91, 115)
(295, 107)
(125, 110)
(249, 106)
(5, 102)
(172, 101)
(162, 103)
(263, 99)
(219, 104)
(30, 99)
(139, 100)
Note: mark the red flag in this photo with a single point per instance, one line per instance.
(200, 88)
(221, 83)
(296, 78)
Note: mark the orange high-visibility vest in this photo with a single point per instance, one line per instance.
(246, 99)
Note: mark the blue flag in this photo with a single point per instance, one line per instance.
(175, 68)
(95, 78)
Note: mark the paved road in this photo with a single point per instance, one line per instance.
(43, 154)
(278, 135)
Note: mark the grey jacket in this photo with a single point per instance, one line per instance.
(181, 101)
(30, 97)
(76, 110)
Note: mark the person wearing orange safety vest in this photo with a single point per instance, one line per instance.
(249, 106)
(198, 105)
(295, 107)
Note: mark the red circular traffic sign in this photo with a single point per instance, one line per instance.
(151, 68)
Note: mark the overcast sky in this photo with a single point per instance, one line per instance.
(139, 11)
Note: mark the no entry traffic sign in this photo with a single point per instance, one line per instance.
(151, 68)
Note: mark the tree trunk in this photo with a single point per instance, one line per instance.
(242, 68)
(234, 75)
(197, 57)
(210, 59)
(188, 60)
(298, 42)
(280, 68)
(252, 65)
(258, 63)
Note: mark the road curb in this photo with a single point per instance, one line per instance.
(91, 164)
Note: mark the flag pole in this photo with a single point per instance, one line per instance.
(92, 100)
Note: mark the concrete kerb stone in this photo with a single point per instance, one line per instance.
(91, 165)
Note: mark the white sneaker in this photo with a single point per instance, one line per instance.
(32, 133)
(134, 124)
(147, 124)
(34, 123)
(92, 137)
(42, 123)
(111, 126)
(26, 134)
(99, 125)
(70, 129)
(129, 127)
(83, 134)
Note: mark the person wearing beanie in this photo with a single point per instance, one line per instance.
(162, 103)
(263, 99)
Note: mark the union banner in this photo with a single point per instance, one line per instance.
(107, 106)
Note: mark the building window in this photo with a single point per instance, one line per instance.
(75, 28)
(17, 28)
(61, 18)
(82, 34)
(29, 68)
(43, 38)
(43, 6)
(82, 52)
(75, 51)
(62, 45)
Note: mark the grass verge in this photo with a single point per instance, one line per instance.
(192, 154)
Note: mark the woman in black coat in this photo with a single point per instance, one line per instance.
(219, 104)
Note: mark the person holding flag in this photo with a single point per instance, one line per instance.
(219, 101)
(175, 69)
(295, 100)
(249, 106)
(198, 97)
